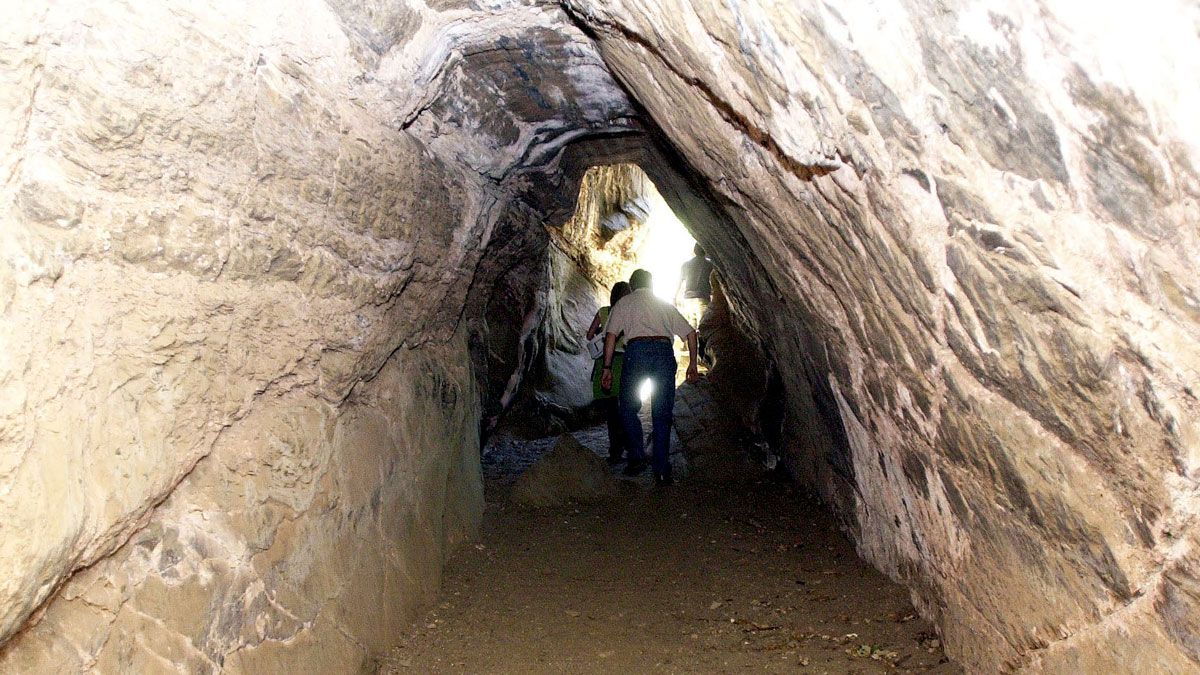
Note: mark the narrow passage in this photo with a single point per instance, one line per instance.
(730, 570)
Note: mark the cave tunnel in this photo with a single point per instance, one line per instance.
(292, 373)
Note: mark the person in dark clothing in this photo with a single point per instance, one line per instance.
(648, 325)
(693, 277)
(607, 398)
(696, 287)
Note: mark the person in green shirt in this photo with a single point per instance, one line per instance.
(607, 398)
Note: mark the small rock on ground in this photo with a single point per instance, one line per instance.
(568, 473)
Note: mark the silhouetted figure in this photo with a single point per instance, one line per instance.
(696, 287)
(607, 397)
(648, 324)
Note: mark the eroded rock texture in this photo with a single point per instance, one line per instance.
(237, 245)
(249, 250)
(970, 243)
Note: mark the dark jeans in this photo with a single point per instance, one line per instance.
(654, 361)
(616, 435)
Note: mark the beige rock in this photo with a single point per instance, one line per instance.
(248, 250)
(569, 473)
(315, 526)
(217, 240)
(952, 223)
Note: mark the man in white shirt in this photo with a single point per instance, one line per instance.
(648, 324)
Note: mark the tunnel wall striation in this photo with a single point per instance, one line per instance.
(246, 252)
(239, 421)
(967, 233)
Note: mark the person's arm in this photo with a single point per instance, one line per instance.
(595, 327)
(610, 347)
(616, 324)
(693, 370)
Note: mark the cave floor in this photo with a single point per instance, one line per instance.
(726, 571)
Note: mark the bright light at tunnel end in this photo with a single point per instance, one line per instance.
(668, 246)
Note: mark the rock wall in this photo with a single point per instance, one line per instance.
(606, 235)
(237, 243)
(970, 240)
(303, 542)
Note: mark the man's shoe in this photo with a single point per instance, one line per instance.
(634, 467)
(663, 481)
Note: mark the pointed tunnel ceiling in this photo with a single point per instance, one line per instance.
(249, 251)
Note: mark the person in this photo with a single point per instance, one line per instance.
(697, 288)
(694, 281)
(716, 316)
(648, 324)
(607, 398)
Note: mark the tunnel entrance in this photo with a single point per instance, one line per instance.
(620, 223)
(270, 271)
(581, 568)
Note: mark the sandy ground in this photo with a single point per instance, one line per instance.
(726, 571)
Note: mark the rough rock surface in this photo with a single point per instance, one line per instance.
(739, 371)
(237, 245)
(970, 241)
(246, 249)
(568, 473)
(302, 542)
(608, 232)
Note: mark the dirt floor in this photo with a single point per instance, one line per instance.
(726, 571)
